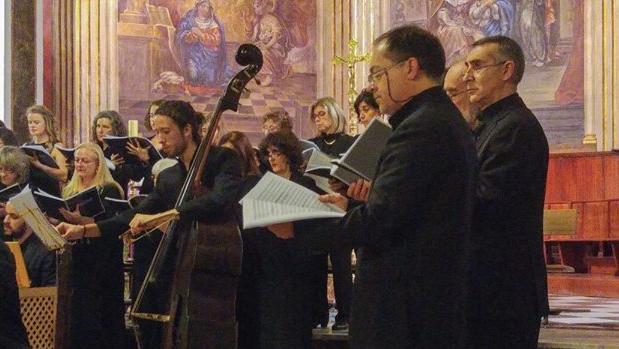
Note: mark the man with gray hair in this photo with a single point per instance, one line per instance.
(508, 293)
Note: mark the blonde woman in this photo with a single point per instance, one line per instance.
(42, 132)
(97, 310)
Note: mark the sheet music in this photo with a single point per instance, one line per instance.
(27, 208)
(276, 200)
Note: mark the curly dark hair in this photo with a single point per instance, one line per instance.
(286, 143)
(118, 128)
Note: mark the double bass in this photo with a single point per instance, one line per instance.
(190, 286)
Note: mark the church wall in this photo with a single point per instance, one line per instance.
(588, 111)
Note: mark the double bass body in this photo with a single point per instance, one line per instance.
(190, 287)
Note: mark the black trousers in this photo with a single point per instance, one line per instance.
(342, 284)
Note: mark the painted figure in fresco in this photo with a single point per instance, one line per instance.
(450, 23)
(201, 41)
(272, 37)
(532, 31)
(492, 17)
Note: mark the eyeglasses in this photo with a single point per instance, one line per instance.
(377, 75)
(476, 67)
(320, 115)
(7, 170)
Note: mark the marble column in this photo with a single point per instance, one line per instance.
(23, 62)
(95, 69)
(602, 74)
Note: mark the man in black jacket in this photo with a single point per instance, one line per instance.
(509, 292)
(40, 262)
(12, 331)
(177, 124)
(412, 233)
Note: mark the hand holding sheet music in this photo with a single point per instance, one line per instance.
(276, 200)
(27, 208)
(130, 148)
(39, 153)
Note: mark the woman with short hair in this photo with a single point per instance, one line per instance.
(330, 123)
(14, 166)
(14, 169)
(366, 107)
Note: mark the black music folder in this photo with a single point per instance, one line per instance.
(89, 202)
(38, 151)
(9, 192)
(119, 146)
(361, 159)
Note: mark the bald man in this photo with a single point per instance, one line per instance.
(455, 87)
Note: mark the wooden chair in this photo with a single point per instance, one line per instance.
(561, 223)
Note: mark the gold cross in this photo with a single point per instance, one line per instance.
(350, 61)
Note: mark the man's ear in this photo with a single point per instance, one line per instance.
(412, 68)
(188, 131)
(509, 69)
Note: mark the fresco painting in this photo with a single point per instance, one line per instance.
(184, 49)
(550, 33)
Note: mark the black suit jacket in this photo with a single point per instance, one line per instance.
(509, 270)
(413, 232)
(12, 331)
(40, 262)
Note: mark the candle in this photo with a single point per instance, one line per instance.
(132, 128)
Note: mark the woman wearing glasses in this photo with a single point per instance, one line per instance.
(284, 271)
(14, 169)
(97, 316)
(330, 123)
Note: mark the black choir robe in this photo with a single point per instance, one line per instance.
(97, 281)
(509, 291)
(413, 234)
